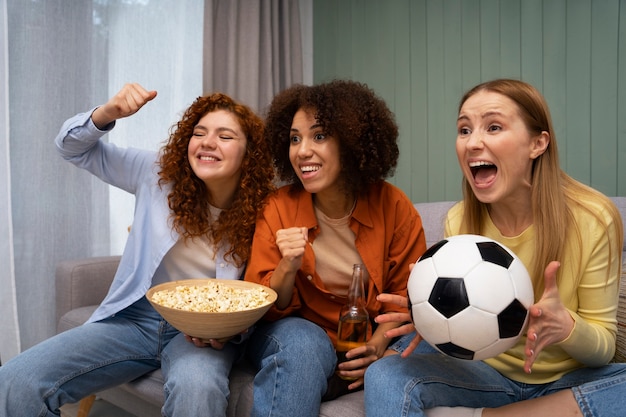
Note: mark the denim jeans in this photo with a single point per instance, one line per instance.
(295, 357)
(396, 386)
(100, 355)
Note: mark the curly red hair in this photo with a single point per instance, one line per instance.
(189, 195)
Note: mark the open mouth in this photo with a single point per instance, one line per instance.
(483, 172)
(309, 171)
(207, 158)
(309, 168)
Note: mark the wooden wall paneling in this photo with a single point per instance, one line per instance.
(604, 36)
(621, 103)
(571, 50)
(325, 28)
(453, 84)
(574, 144)
(417, 124)
(471, 69)
(531, 28)
(554, 69)
(470, 46)
(436, 111)
(510, 39)
(362, 40)
(490, 39)
(400, 99)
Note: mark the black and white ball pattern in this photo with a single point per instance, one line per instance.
(469, 297)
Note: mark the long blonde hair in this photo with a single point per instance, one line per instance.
(553, 192)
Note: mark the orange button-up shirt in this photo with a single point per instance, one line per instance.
(389, 237)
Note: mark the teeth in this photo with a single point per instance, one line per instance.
(310, 168)
(479, 164)
(208, 158)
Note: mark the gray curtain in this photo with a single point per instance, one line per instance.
(252, 49)
(9, 342)
(55, 211)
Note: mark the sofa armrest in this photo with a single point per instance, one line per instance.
(83, 282)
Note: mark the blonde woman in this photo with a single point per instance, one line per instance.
(570, 238)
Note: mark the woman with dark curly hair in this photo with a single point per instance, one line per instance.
(196, 206)
(335, 143)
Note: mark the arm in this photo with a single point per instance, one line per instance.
(291, 244)
(406, 328)
(266, 259)
(126, 102)
(79, 142)
(579, 315)
(81, 133)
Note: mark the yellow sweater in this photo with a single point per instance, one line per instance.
(592, 304)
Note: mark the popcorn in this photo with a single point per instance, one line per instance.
(214, 297)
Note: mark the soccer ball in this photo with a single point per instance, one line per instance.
(469, 297)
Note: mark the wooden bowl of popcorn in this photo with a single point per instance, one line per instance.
(211, 308)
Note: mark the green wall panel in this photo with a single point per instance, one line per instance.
(576, 149)
(421, 55)
(621, 103)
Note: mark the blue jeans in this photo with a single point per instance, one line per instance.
(295, 357)
(396, 386)
(100, 355)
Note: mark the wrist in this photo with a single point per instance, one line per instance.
(100, 119)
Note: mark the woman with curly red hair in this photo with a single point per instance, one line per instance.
(196, 204)
(335, 143)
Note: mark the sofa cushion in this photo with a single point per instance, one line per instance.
(433, 217)
(347, 405)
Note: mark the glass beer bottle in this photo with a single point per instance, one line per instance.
(353, 317)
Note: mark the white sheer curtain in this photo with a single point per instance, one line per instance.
(63, 57)
(159, 45)
(66, 57)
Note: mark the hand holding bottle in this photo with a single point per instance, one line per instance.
(353, 321)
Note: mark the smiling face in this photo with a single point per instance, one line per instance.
(216, 151)
(314, 155)
(495, 148)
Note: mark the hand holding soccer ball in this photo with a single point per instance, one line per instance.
(469, 297)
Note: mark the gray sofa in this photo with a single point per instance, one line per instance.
(82, 284)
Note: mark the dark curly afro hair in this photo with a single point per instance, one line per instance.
(350, 112)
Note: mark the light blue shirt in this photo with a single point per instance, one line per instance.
(151, 235)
